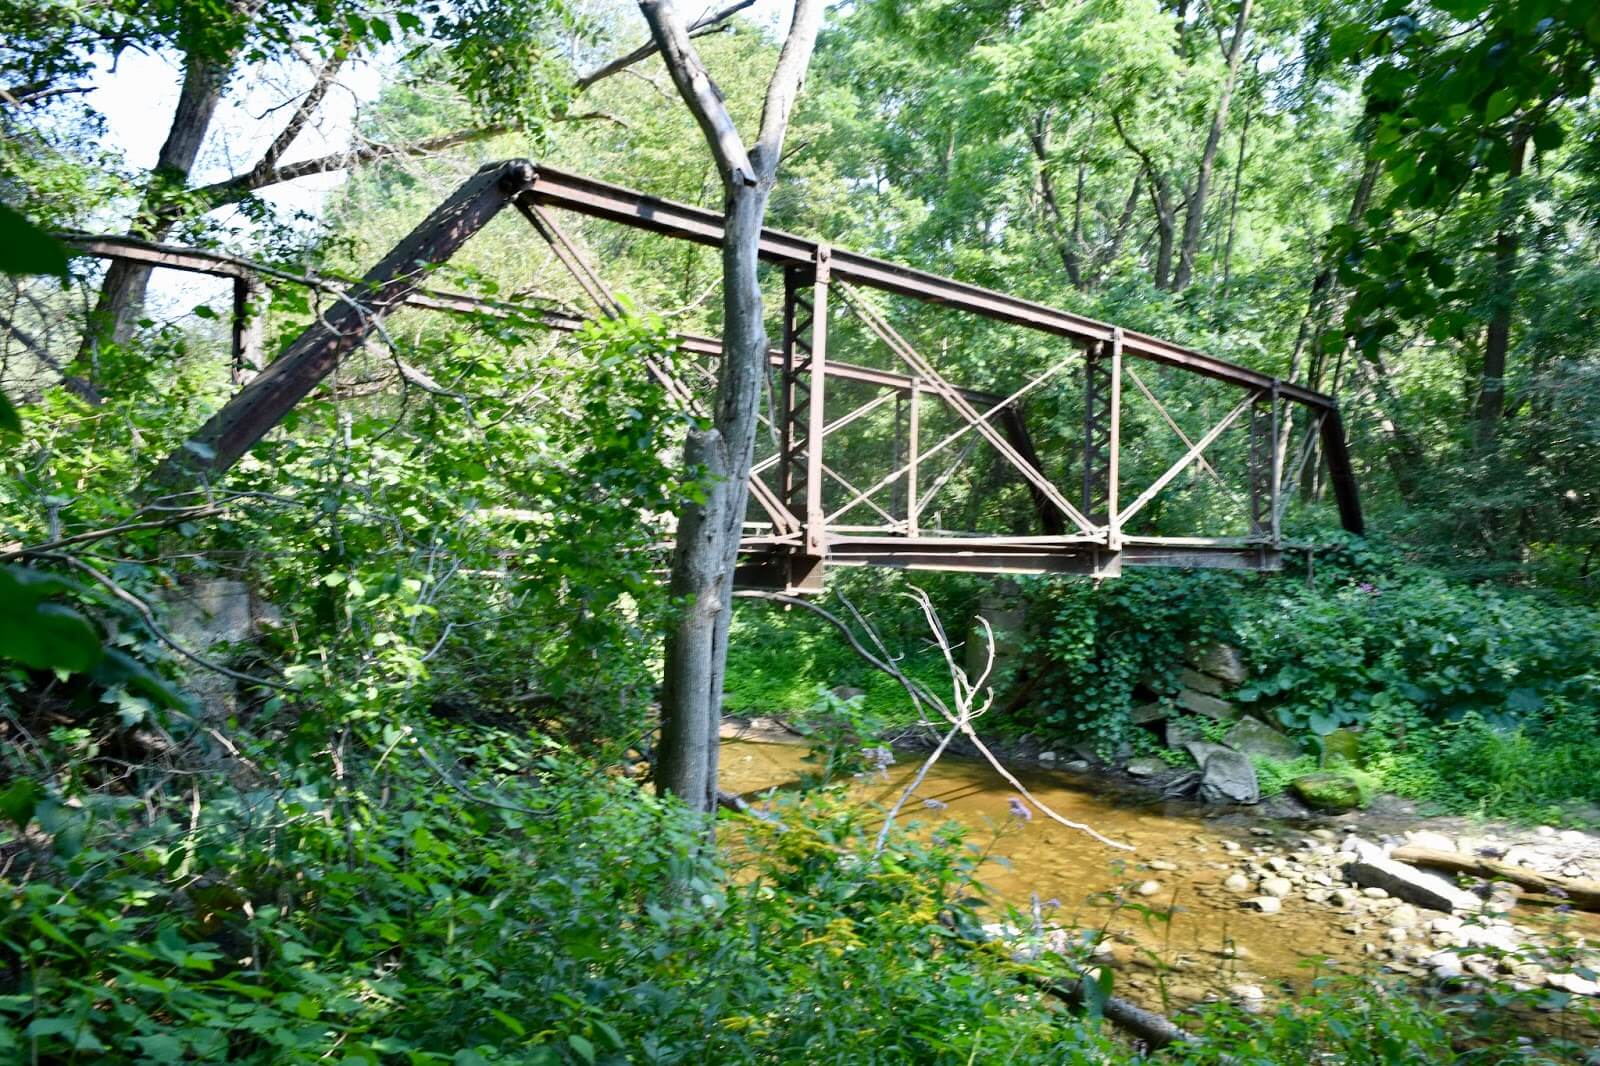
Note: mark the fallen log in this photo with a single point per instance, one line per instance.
(1585, 895)
(1156, 1030)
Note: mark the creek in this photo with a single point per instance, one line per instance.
(1213, 945)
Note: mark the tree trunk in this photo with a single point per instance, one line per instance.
(122, 291)
(1166, 223)
(1491, 401)
(1066, 245)
(708, 532)
(1194, 218)
(1233, 207)
(1106, 255)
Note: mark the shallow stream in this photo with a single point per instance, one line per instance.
(1212, 942)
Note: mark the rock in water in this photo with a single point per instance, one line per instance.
(1373, 870)
(1228, 777)
(1257, 738)
(1146, 767)
(1327, 790)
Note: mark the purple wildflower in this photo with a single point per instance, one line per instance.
(1019, 809)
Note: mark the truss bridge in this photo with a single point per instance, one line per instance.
(912, 420)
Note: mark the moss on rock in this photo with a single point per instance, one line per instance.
(1327, 791)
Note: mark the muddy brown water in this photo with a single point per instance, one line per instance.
(1210, 941)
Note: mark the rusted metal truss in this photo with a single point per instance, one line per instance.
(808, 512)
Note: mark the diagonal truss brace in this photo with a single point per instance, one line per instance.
(935, 383)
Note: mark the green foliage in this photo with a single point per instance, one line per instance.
(387, 910)
(778, 657)
(1093, 643)
(842, 733)
(1274, 776)
(1542, 770)
(1410, 646)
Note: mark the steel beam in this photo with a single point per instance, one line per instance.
(558, 188)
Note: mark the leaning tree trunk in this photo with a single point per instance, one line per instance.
(122, 291)
(1194, 217)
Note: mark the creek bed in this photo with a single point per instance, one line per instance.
(1213, 945)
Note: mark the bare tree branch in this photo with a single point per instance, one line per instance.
(708, 24)
(78, 385)
(304, 111)
(785, 85)
(963, 691)
(699, 92)
(231, 190)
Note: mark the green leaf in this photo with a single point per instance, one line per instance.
(10, 421)
(27, 249)
(1501, 104)
(1548, 136)
(44, 636)
(18, 801)
(582, 1047)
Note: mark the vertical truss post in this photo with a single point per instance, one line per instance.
(805, 347)
(1266, 465)
(914, 447)
(1102, 436)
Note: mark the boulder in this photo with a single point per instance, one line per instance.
(1327, 790)
(1257, 738)
(1180, 732)
(1341, 748)
(1220, 661)
(1201, 750)
(1228, 777)
(1279, 887)
(1428, 838)
(1199, 703)
(847, 692)
(1149, 712)
(1211, 686)
(1146, 767)
(1373, 870)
